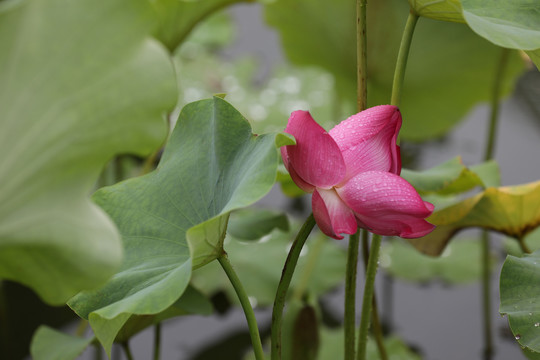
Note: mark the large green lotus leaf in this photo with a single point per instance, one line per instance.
(50, 344)
(255, 263)
(191, 302)
(452, 177)
(177, 18)
(444, 77)
(520, 298)
(174, 219)
(511, 24)
(80, 81)
(458, 264)
(445, 10)
(511, 210)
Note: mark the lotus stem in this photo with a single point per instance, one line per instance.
(367, 301)
(283, 286)
(350, 297)
(403, 55)
(246, 306)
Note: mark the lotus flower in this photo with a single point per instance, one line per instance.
(353, 173)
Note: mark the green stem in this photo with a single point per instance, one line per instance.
(486, 298)
(367, 301)
(352, 252)
(495, 103)
(127, 350)
(361, 54)
(157, 341)
(246, 306)
(283, 286)
(488, 155)
(377, 328)
(350, 296)
(401, 65)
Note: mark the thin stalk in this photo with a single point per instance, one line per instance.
(495, 104)
(376, 323)
(361, 54)
(127, 350)
(367, 301)
(488, 155)
(352, 252)
(486, 298)
(246, 306)
(157, 341)
(350, 296)
(403, 55)
(283, 286)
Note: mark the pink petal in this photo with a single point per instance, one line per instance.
(367, 140)
(387, 204)
(331, 214)
(316, 157)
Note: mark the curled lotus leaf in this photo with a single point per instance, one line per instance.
(511, 210)
(452, 177)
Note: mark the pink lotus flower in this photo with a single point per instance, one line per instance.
(353, 173)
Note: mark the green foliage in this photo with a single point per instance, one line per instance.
(332, 347)
(71, 96)
(177, 18)
(320, 268)
(510, 24)
(192, 301)
(174, 219)
(458, 263)
(519, 298)
(512, 210)
(532, 241)
(452, 177)
(444, 78)
(50, 344)
(535, 57)
(253, 224)
(445, 10)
